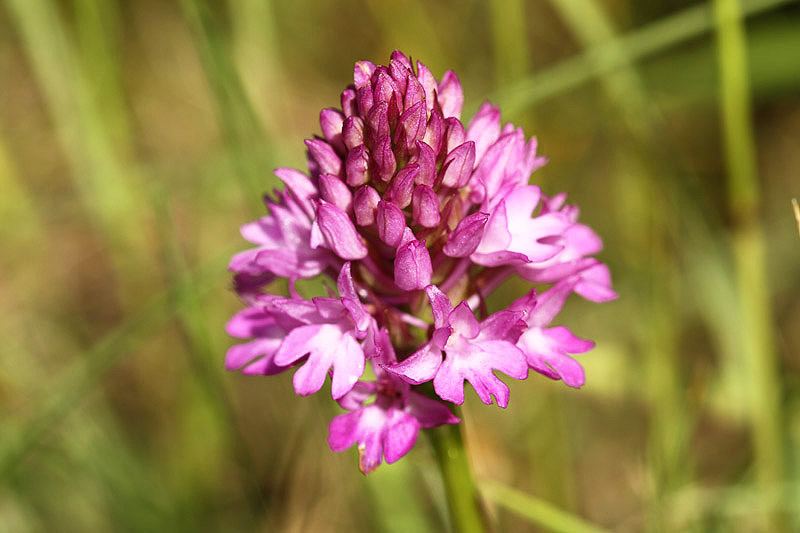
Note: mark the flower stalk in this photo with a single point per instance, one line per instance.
(466, 509)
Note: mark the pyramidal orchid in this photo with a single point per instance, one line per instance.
(416, 218)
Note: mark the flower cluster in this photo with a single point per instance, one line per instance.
(410, 213)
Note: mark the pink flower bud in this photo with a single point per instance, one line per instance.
(411, 127)
(362, 72)
(353, 132)
(412, 266)
(458, 165)
(402, 186)
(356, 166)
(326, 158)
(426, 159)
(384, 162)
(426, 207)
(348, 101)
(391, 223)
(335, 191)
(467, 235)
(331, 122)
(434, 133)
(365, 201)
(451, 97)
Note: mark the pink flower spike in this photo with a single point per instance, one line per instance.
(398, 197)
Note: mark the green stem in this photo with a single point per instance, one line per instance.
(467, 513)
(757, 337)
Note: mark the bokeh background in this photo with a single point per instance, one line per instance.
(136, 137)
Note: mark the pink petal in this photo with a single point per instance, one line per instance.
(430, 413)
(440, 305)
(360, 393)
(463, 321)
(419, 367)
(339, 233)
(400, 435)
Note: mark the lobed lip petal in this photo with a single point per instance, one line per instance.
(475, 363)
(338, 232)
(412, 266)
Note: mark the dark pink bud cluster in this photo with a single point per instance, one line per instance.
(412, 213)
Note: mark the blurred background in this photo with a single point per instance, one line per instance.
(136, 137)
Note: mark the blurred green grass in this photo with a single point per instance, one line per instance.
(136, 137)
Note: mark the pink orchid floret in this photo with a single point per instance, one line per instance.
(473, 352)
(547, 349)
(417, 219)
(388, 427)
